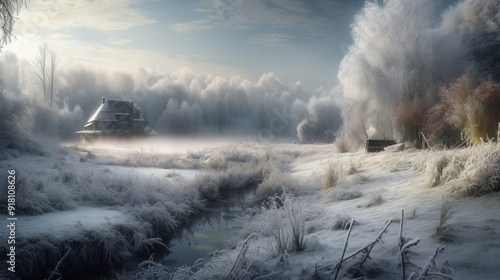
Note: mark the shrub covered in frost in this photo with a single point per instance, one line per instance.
(473, 171)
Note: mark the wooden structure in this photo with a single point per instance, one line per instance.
(498, 133)
(373, 145)
(118, 118)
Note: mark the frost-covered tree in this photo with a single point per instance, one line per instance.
(217, 100)
(402, 54)
(47, 80)
(8, 11)
(322, 121)
(180, 118)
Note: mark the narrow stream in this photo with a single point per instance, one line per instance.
(209, 231)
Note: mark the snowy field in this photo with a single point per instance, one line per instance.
(111, 202)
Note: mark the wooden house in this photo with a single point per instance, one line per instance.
(119, 118)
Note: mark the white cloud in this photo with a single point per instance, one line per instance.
(196, 25)
(273, 39)
(68, 14)
(119, 42)
(314, 18)
(130, 59)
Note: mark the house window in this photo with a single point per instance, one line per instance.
(122, 126)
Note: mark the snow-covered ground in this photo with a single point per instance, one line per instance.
(151, 189)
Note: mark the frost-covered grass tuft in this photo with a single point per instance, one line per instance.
(217, 164)
(374, 198)
(442, 229)
(333, 174)
(236, 176)
(275, 183)
(353, 167)
(343, 192)
(473, 171)
(284, 220)
(435, 170)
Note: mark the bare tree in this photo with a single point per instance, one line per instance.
(46, 78)
(8, 10)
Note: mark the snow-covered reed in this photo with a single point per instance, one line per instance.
(333, 174)
(284, 220)
(236, 176)
(473, 171)
(155, 207)
(275, 183)
(442, 229)
(91, 250)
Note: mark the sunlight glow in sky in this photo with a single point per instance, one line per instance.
(297, 40)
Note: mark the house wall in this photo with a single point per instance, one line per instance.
(105, 126)
(138, 126)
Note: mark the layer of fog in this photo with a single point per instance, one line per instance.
(178, 103)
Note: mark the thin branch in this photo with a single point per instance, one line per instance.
(425, 270)
(345, 247)
(370, 247)
(56, 270)
(401, 244)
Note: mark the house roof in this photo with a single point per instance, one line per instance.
(103, 113)
(110, 108)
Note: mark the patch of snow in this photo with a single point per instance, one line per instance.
(64, 223)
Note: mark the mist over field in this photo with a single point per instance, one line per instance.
(179, 103)
(257, 176)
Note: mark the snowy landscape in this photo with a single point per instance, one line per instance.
(250, 139)
(115, 216)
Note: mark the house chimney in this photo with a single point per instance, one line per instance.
(103, 99)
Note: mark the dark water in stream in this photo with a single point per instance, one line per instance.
(207, 232)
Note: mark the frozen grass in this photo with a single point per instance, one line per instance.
(241, 263)
(473, 171)
(156, 207)
(340, 222)
(40, 193)
(343, 192)
(333, 174)
(234, 168)
(374, 198)
(353, 167)
(217, 164)
(157, 159)
(91, 250)
(159, 205)
(442, 229)
(435, 170)
(284, 220)
(342, 144)
(236, 176)
(222, 266)
(275, 183)
(215, 158)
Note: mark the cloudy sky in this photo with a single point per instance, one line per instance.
(296, 40)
